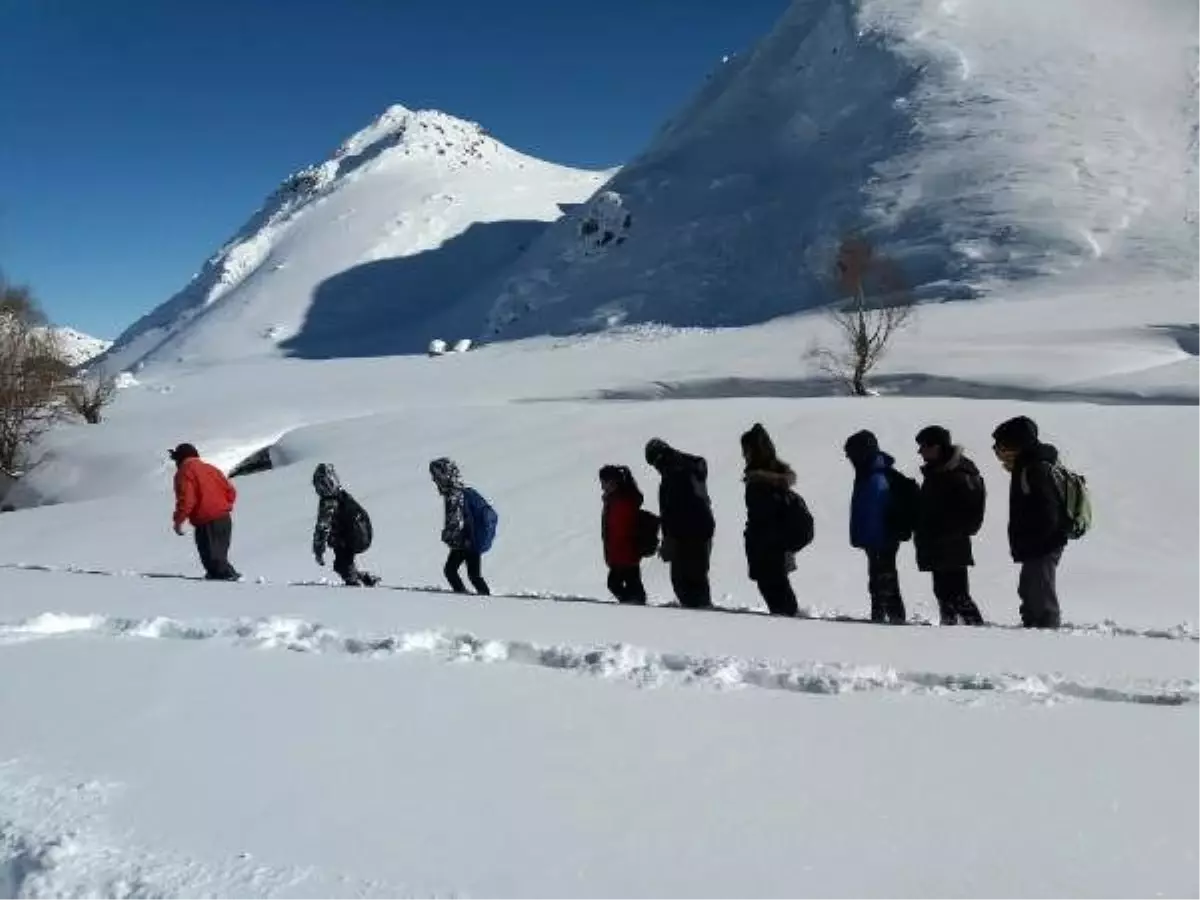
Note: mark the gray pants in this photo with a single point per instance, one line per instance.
(212, 543)
(1039, 592)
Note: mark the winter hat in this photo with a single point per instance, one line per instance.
(611, 473)
(325, 480)
(656, 449)
(759, 445)
(861, 447)
(1018, 434)
(184, 451)
(934, 436)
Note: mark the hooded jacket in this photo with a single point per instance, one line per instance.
(1036, 519)
(953, 500)
(328, 530)
(683, 500)
(618, 526)
(202, 493)
(449, 483)
(870, 501)
(766, 494)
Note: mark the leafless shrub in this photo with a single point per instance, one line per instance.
(865, 326)
(88, 397)
(33, 374)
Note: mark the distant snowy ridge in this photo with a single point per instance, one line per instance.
(974, 143)
(79, 348)
(408, 183)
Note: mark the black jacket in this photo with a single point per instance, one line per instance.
(953, 499)
(683, 502)
(766, 494)
(1036, 521)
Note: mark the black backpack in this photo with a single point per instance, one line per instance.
(904, 505)
(646, 533)
(354, 525)
(799, 529)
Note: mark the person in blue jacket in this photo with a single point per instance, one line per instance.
(872, 523)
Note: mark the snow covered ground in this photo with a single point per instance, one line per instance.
(166, 737)
(282, 738)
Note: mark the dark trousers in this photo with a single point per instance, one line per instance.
(212, 543)
(343, 564)
(689, 573)
(952, 587)
(454, 562)
(625, 583)
(776, 590)
(1038, 590)
(884, 584)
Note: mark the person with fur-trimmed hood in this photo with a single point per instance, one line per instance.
(687, 521)
(1037, 526)
(619, 533)
(952, 504)
(874, 507)
(342, 525)
(456, 532)
(768, 480)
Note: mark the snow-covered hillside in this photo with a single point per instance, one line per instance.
(282, 738)
(974, 143)
(79, 348)
(970, 141)
(367, 253)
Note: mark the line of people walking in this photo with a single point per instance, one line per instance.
(1048, 505)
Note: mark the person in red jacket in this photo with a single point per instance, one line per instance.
(204, 497)
(618, 529)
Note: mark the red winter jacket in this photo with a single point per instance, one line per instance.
(618, 528)
(202, 493)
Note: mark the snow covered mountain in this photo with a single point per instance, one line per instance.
(79, 348)
(366, 253)
(972, 141)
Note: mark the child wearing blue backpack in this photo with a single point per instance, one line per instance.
(469, 527)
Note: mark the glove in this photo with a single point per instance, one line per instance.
(179, 529)
(320, 558)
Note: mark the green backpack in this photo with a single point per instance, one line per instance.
(1076, 501)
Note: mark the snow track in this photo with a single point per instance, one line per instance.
(1182, 631)
(615, 661)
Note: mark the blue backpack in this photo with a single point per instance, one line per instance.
(481, 520)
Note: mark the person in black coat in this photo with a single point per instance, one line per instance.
(687, 521)
(953, 499)
(1037, 526)
(768, 480)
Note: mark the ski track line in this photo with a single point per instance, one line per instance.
(614, 661)
(1183, 631)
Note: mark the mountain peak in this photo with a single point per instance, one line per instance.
(414, 132)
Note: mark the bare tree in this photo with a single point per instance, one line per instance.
(865, 326)
(87, 397)
(33, 373)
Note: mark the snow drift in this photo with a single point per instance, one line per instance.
(366, 253)
(972, 142)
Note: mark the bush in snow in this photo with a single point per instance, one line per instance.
(463, 346)
(865, 328)
(605, 221)
(437, 348)
(87, 397)
(34, 373)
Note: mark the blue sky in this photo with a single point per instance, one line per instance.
(137, 135)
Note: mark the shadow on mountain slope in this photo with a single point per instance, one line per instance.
(394, 306)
